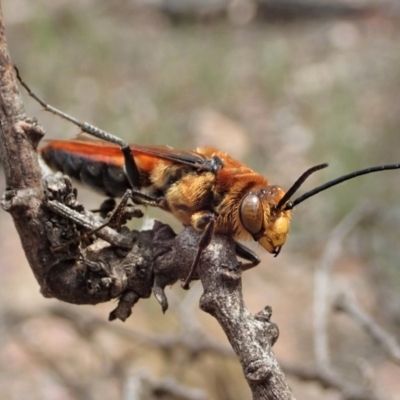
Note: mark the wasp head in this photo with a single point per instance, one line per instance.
(266, 223)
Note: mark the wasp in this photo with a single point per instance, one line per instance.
(205, 188)
(195, 186)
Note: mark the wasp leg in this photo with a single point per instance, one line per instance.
(121, 213)
(145, 199)
(247, 254)
(204, 241)
(106, 207)
(109, 205)
(118, 217)
(131, 169)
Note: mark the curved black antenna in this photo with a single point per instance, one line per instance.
(336, 181)
(295, 187)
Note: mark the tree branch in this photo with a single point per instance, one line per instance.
(323, 280)
(346, 302)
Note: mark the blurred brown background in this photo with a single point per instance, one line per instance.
(280, 94)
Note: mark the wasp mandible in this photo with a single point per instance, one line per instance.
(204, 188)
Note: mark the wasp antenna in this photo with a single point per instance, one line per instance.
(295, 187)
(336, 181)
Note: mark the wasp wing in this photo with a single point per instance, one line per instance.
(167, 153)
(110, 154)
(100, 164)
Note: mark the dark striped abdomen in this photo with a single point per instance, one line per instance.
(106, 178)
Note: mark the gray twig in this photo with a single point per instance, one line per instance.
(347, 303)
(323, 281)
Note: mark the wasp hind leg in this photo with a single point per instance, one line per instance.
(244, 252)
(131, 169)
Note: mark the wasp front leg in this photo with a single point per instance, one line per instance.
(205, 221)
(244, 252)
